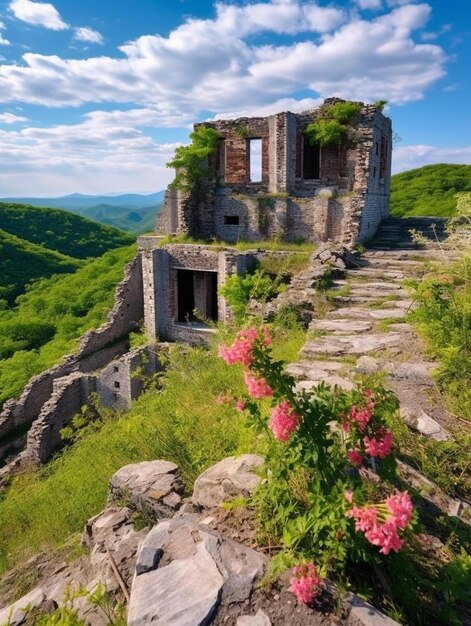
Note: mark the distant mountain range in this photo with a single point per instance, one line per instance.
(131, 212)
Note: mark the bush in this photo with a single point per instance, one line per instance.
(334, 122)
(239, 290)
(190, 162)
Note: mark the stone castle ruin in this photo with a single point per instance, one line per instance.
(270, 180)
(267, 181)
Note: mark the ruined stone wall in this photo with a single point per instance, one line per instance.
(96, 349)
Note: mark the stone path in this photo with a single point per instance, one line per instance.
(367, 332)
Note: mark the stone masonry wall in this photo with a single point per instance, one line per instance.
(96, 349)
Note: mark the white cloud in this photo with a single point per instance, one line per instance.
(370, 4)
(38, 13)
(11, 118)
(90, 157)
(284, 104)
(209, 65)
(88, 34)
(3, 41)
(409, 157)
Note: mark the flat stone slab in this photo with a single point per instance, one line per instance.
(373, 314)
(333, 381)
(417, 419)
(153, 486)
(376, 292)
(365, 614)
(194, 570)
(230, 478)
(417, 372)
(350, 344)
(341, 325)
(303, 368)
(14, 614)
(259, 619)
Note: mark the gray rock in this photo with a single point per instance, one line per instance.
(373, 314)
(368, 365)
(332, 380)
(367, 615)
(230, 478)
(259, 619)
(154, 487)
(417, 419)
(341, 325)
(350, 344)
(15, 614)
(197, 570)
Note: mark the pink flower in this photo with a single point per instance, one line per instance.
(348, 495)
(284, 420)
(380, 445)
(257, 387)
(401, 508)
(305, 582)
(361, 416)
(381, 522)
(355, 457)
(240, 405)
(242, 347)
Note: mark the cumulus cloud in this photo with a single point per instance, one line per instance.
(38, 13)
(3, 41)
(370, 4)
(90, 157)
(409, 157)
(89, 35)
(11, 118)
(208, 65)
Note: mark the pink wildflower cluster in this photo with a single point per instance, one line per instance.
(284, 420)
(381, 444)
(355, 458)
(257, 387)
(381, 522)
(305, 582)
(243, 345)
(363, 415)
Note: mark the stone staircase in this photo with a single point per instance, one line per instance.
(367, 332)
(395, 232)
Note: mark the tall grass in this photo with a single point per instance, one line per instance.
(182, 422)
(443, 318)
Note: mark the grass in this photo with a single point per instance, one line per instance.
(378, 303)
(267, 245)
(182, 423)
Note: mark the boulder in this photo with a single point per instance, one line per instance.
(231, 478)
(15, 614)
(259, 619)
(154, 487)
(184, 571)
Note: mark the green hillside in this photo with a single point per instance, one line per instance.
(62, 231)
(23, 261)
(53, 315)
(429, 190)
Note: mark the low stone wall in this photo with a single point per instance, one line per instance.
(96, 349)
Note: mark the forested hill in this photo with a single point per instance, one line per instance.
(429, 190)
(40, 242)
(62, 231)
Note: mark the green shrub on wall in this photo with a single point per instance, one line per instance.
(190, 161)
(334, 123)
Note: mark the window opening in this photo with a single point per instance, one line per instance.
(255, 160)
(311, 160)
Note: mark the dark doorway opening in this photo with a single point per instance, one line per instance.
(197, 292)
(311, 160)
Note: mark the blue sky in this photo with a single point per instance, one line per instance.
(95, 95)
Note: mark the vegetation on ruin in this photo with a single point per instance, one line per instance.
(191, 161)
(238, 290)
(380, 104)
(429, 190)
(37, 242)
(267, 245)
(334, 123)
(52, 315)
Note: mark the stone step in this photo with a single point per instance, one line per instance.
(376, 273)
(363, 284)
(372, 314)
(341, 325)
(350, 344)
(332, 380)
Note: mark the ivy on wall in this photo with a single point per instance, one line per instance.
(191, 162)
